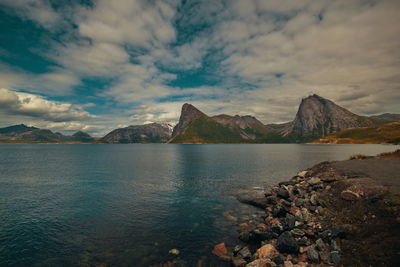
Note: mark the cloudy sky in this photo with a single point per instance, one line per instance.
(96, 65)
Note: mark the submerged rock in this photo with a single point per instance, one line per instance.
(220, 250)
(174, 251)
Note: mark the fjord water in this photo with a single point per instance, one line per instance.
(128, 205)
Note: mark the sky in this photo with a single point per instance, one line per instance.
(99, 65)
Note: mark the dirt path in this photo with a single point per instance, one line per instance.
(384, 170)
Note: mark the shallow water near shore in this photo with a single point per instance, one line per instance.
(128, 205)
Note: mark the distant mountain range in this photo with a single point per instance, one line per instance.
(316, 118)
(25, 134)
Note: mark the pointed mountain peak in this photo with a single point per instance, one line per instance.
(190, 109)
(188, 113)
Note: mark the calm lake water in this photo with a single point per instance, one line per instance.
(128, 205)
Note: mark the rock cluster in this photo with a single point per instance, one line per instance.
(290, 232)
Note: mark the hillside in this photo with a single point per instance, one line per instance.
(147, 133)
(384, 134)
(196, 127)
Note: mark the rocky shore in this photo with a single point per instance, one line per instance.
(323, 216)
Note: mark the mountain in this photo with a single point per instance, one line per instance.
(196, 127)
(318, 117)
(15, 130)
(24, 134)
(147, 133)
(383, 134)
(41, 135)
(83, 137)
(188, 114)
(388, 116)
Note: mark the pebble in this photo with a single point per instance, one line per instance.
(314, 181)
(174, 251)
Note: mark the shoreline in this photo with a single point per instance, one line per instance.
(340, 213)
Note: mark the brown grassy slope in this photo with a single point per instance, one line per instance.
(383, 134)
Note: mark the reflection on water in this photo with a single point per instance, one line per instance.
(129, 205)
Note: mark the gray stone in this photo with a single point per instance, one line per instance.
(286, 243)
(320, 244)
(313, 255)
(335, 257)
(334, 245)
(299, 202)
(283, 193)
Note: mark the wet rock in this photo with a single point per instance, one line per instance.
(283, 193)
(267, 251)
(349, 195)
(244, 253)
(244, 236)
(335, 257)
(238, 262)
(220, 250)
(175, 251)
(260, 235)
(297, 232)
(286, 243)
(313, 255)
(314, 181)
(261, 263)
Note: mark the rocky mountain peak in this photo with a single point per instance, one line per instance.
(318, 116)
(188, 113)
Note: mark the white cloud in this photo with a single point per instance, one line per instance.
(39, 11)
(32, 105)
(343, 50)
